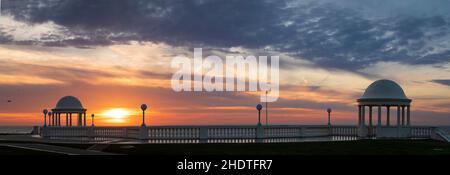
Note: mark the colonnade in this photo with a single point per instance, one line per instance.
(403, 115)
(55, 119)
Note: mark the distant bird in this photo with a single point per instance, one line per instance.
(9, 101)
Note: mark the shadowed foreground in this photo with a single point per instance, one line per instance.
(6, 150)
(361, 147)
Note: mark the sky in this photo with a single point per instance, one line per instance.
(115, 54)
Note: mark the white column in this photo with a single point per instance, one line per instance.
(379, 116)
(79, 119)
(408, 114)
(403, 115)
(362, 132)
(370, 121)
(359, 115)
(370, 116)
(398, 116)
(84, 119)
(363, 115)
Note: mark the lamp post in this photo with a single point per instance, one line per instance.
(143, 108)
(92, 115)
(259, 107)
(45, 111)
(267, 112)
(329, 116)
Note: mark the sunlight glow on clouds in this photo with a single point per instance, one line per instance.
(23, 79)
(22, 31)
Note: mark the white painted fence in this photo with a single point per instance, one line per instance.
(211, 134)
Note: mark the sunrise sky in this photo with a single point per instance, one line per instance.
(115, 55)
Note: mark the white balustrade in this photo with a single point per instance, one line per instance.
(344, 131)
(421, 132)
(211, 134)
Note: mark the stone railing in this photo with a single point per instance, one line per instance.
(344, 131)
(442, 133)
(212, 134)
(88, 133)
(200, 133)
(422, 131)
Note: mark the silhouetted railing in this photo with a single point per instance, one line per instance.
(217, 134)
(344, 131)
(422, 131)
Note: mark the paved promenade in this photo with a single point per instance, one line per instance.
(37, 144)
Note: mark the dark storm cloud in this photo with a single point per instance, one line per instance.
(333, 35)
(219, 23)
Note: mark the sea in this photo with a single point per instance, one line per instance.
(16, 129)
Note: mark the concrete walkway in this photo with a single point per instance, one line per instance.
(38, 144)
(54, 149)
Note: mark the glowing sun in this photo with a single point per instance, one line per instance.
(116, 115)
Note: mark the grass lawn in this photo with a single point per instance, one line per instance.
(360, 147)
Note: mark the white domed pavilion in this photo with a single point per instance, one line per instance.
(384, 94)
(68, 105)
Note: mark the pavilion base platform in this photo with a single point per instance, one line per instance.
(393, 132)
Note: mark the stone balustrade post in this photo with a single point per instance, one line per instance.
(44, 133)
(260, 134)
(203, 135)
(125, 132)
(91, 133)
(143, 133)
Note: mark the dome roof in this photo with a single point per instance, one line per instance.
(384, 89)
(69, 102)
